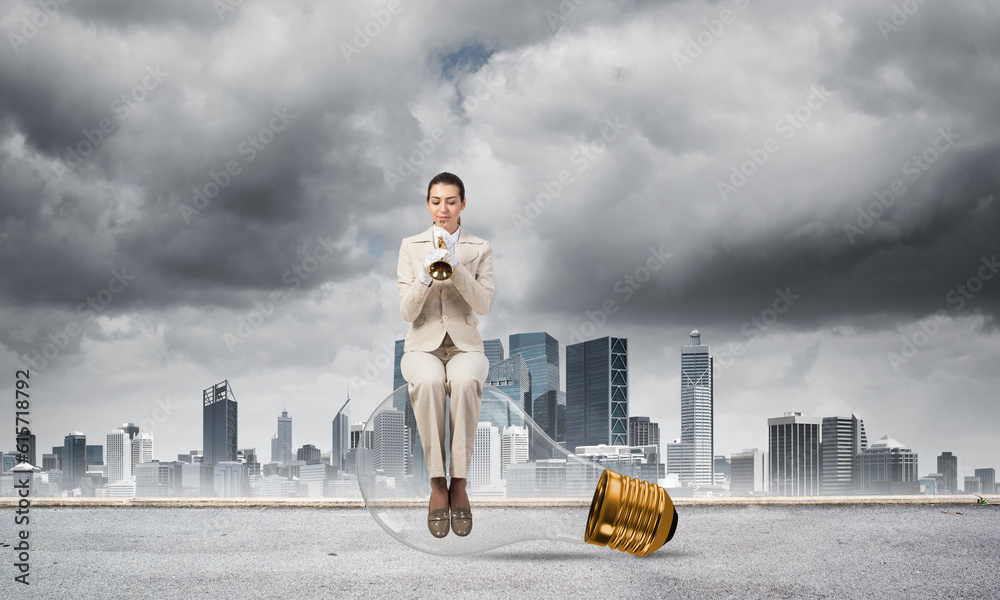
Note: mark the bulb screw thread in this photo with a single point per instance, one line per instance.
(630, 515)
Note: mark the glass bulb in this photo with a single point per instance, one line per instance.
(626, 513)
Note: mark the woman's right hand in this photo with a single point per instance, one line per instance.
(431, 257)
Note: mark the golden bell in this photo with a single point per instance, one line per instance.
(440, 270)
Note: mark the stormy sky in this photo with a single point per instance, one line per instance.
(192, 192)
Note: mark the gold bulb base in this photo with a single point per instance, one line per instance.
(630, 515)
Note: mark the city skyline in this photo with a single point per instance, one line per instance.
(179, 206)
(223, 391)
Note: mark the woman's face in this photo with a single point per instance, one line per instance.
(445, 205)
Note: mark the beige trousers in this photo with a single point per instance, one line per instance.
(431, 375)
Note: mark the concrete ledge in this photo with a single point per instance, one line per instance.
(81, 502)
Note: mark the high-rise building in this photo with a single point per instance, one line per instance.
(281, 443)
(513, 447)
(843, 440)
(308, 453)
(988, 479)
(74, 459)
(511, 377)
(49, 462)
(401, 401)
(697, 412)
(95, 454)
(130, 429)
(678, 455)
(484, 466)
(413, 453)
(596, 393)
(643, 432)
(887, 467)
(750, 473)
(219, 423)
(947, 465)
(794, 443)
(142, 449)
(973, 485)
(546, 402)
(58, 452)
(341, 437)
(388, 441)
(119, 457)
(359, 437)
(493, 349)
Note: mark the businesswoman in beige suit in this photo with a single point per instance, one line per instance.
(443, 351)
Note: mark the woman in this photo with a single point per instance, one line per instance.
(443, 351)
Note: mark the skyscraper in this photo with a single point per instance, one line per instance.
(142, 449)
(388, 440)
(74, 459)
(341, 437)
(413, 452)
(947, 465)
(131, 430)
(95, 454)
(309, 453)
(795, 459)
(493, 349)
(484, 466)
(843, 440)
(643, 432)
(540, 352)
(988, 479)
(511, 377)
(697, 412)
(119, 449)
(513, 448)
(887, 467)
(219, 425)
(596, 393)
(281, 443)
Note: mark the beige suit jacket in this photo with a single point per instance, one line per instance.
(446, 306)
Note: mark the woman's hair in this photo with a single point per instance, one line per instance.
(447, 178)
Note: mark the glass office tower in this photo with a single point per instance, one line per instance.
(340, 439)
(540, 352)
(219, 423)
(597, 393)
(697, 412)
(74, 459)
(511, 377)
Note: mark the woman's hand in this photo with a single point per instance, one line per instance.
(451, 244)
(431, 257)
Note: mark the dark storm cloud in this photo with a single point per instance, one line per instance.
(826, 239)
(516, 94)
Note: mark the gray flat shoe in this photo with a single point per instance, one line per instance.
(461, 520)
(437, 522)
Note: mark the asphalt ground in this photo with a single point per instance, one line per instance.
(718, 551)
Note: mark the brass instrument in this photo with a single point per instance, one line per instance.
(440, 270)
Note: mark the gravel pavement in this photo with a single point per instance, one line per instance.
(866, 551)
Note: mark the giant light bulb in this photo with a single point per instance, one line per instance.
(625, 513)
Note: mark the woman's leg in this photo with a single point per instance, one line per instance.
(466, 372)
(425, 374)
